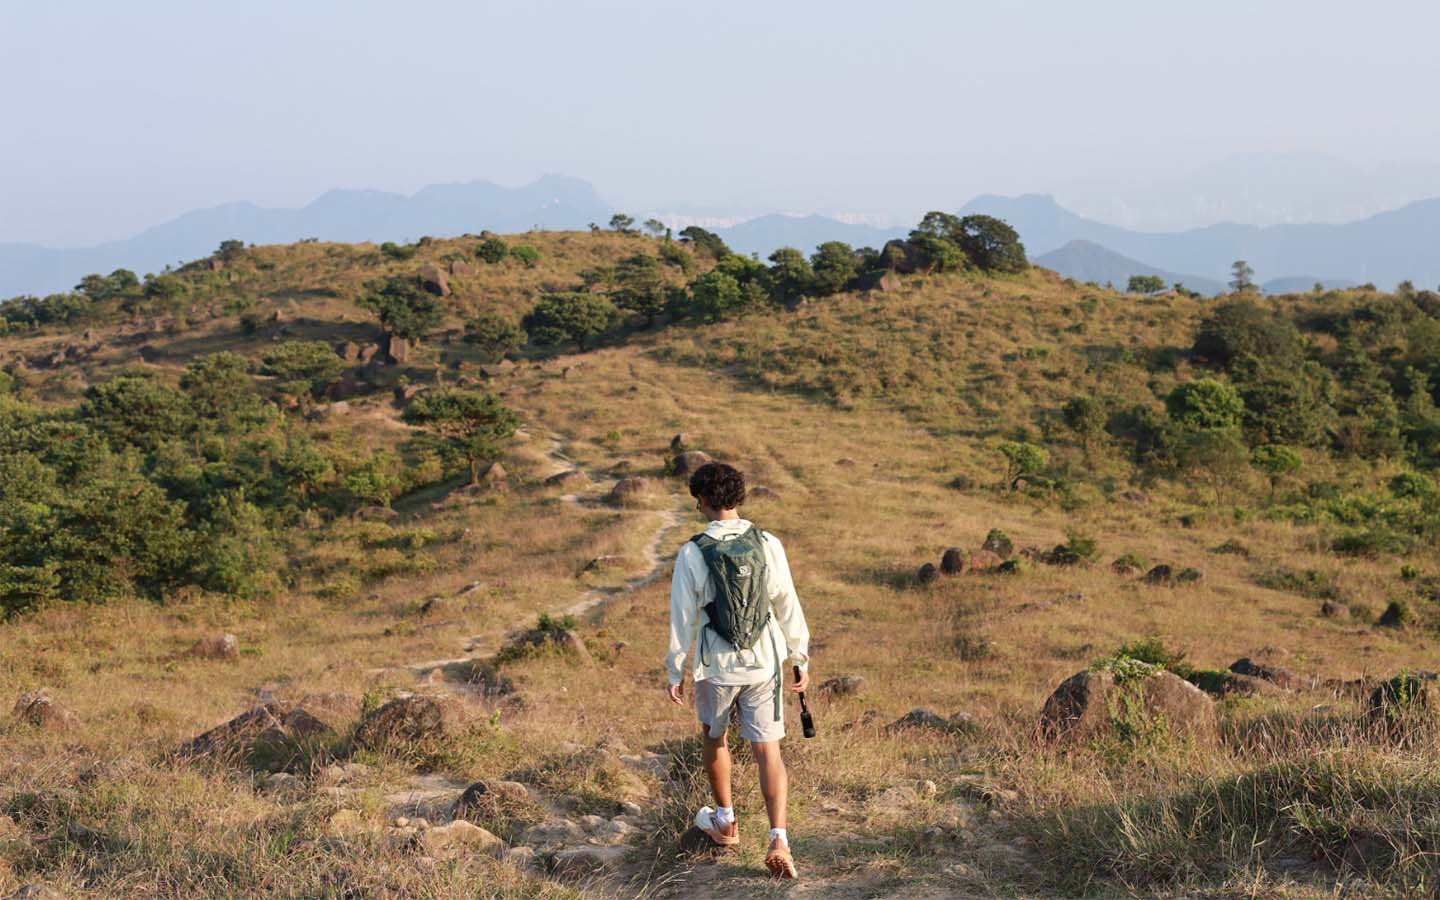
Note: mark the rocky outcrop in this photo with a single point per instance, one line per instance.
(273, 735)
(411, 719)
(1097, 702)
(41, 710)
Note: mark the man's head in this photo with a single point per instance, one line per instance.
(718, 487)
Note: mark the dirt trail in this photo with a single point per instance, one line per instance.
(591, 601)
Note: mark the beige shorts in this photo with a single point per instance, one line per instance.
(753, 704)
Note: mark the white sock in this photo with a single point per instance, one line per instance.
(779, 834)
(724, 815)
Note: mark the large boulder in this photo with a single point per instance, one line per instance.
(685, 464)
(629, 491)
(41, 710)
(273, 735)
(953, 562)
(434, 280)
(217, 646)
(398, 350)
(409, 720)
(1093, 703)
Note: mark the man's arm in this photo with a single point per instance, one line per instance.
(684, 619)
(785, 604)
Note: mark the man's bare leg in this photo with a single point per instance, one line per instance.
(775, 785)
(716, 756)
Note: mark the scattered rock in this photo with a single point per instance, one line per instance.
(1161, 574)
(41, 710)
(953, 562)
(1394, 616)
(345, 823)
(680, 442)
(565, 477)
(376, 514)
(1402, 697)
(685, 464)
(1124, 568)
(629, 491)
(1329, 609)
(1189, 575)
(927, 574)
(461, 268)
(437, 605)
(1139, 498)
(553, 833)
(843, 684)
(1080, 707)
(760, 491)
(398, 350)
(459, 838)
(410, 719)
(348, 351)
(888, 283)
(343, 773)
(494, 477)
(36, 892)
(998, 543)
(522, 858)
(845, 462)
(498, 369)
(273, 735)
(433, 280)
(219, 646)
(1276, 675)
(924, 718)
(982, 560)
(367, 353)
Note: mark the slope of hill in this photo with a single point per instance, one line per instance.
(1087, 261)
(1384, 249)
(363, 580)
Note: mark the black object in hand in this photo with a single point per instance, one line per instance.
(807, 722)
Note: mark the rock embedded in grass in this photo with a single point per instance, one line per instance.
(685, 464)
(41, 710)
(1087, 704)
(1276, 675)
(843, 684)
(273, 735)
(1161, 574)
(926, 575)
(681, 442)
(411, 719)
(629, 491)
(218, 646)
(953, 561)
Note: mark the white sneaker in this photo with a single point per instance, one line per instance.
(724, 837)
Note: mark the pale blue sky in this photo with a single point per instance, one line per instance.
(117, 115)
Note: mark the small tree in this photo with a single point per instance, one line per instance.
(1275, 461)
(1205, 405)
(715, 296)
(473, 425)
(1023, 462)
(1087, 418)
(494, 335)
(230, 250)
(640, 287)
(492, 250)
(791, 277)
(991, 244)
(656, 228)
(305, 368)
(1145, 284)
(403, 306)
(527, 255)
(622, 223)
(835, 265)
(1241, 276)
(562, 317)
(706, 243)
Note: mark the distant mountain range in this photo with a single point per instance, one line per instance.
(1403, 244)
(1386, 248)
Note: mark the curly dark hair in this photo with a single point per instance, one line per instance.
(719, 485)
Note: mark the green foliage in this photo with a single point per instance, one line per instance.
(991, 244)
(403, 306)
(1288, 404)
(392, 250)
(1241, 277)
(1275, 461)
(1024, 461)
(493, 250)
(1145, 284)
(706, 243)
(526, 254)
(472, 424)
(303, 367)
(1205, 405)
(1087, 418)
(1152, 651)
(715, 296)
(622, 223)
(136, 410)
(791, 277)
(1241, 328)
(230, 250)
(562, 317)
(494, 335)
(834, 265)
(641, 288)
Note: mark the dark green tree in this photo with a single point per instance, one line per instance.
(474, 425)
(706, 243)
(640, 287)
(991, 244)
(1145, 284)
(622, 223)
(656, 228)
(791, 277)
(494, 335)
(716, 296)
(1242, 277)
(562, 317)
(137, 410)
(1086, 417)
(493, 250)
(1275, 461)
(304, 368)
(527, 255)
(1241, 328)
(835, 265)
(403, 306)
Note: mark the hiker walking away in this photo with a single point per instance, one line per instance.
(733, 601)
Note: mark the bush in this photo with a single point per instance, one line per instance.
(493, 250)
(1205, 404)
(1024, 462)
(834, 265)
(527, 255)
(303, 366)
(1241, 328)
(562, 317)
(494, 335)
(392, 250)
(403, 306)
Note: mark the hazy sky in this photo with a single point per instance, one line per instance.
(116, 115)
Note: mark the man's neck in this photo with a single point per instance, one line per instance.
(726, 515)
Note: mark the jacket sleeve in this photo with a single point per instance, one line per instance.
(785, 604)
(684, 616)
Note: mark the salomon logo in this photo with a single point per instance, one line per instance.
(744, 571)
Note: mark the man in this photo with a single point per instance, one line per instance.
(732, 579)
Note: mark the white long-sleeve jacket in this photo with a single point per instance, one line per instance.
(691, 590)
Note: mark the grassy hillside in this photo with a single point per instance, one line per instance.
(876, 419)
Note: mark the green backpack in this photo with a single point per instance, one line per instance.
(740, 610)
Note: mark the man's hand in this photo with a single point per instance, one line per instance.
(803, 682)
(676, 693)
